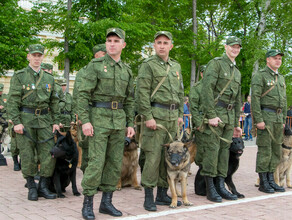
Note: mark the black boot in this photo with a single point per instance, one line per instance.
(222, 191)
(106, 206)
(272, 183)
(87, 209)
(162, 198)
(32, 190)
(212, 194)
(43, 189)
(16, 163)
(264, 184)
(149, 204)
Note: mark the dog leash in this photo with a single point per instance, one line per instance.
(25, 133)
(271, 134)
(206, 121)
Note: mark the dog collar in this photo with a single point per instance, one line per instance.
(286, 147)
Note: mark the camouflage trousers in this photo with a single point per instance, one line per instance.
(154, 170)
(216, 152)
(269, 151)
(105, 152)
(13, 147)
(31, 153)
(84, 145)
(200, 139)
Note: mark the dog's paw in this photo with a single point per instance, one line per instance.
(61, 196)
(138, 187)
(119, 188)
(187, 203)
(173, 205)
(76, 193)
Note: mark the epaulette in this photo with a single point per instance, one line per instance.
(148, 59)
(173, 60)
(127, 65)
(262, 70)
(100, 59)
(20, 71)
(218, 58)
(197, 83)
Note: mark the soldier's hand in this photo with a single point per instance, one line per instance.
(180, 121)
(130, 132)
(56, 127)
(151, 124)
(261, 125)
(87, 129)
(214, 121)
(19, 128)
(237, 132)
(1, 106)
(61, 125)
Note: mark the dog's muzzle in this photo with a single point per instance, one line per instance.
(57, 152)
(175, 159)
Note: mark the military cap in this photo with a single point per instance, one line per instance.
(119, 32)
(62, 82)
(47, 66)
(233, 40)
(1, 87)
(165, 33)
(273, 52)
(202, 68)
(36, 48)
(99, 47)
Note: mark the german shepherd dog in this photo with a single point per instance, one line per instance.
(66, 154)
(236, 150)
(130, 165)
(283, 170)
(177, 158)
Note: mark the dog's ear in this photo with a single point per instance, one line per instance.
(165, 145)
(69, 137)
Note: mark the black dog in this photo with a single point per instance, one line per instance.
(236, 150)
(66, 154)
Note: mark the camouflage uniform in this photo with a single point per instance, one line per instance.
(65, 106)
(269, 150)
(105, 81)
(170, 93)
(37, 124)
(217, 74)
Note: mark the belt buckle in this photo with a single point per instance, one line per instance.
(37, 111)
(279, 110)
(172, 107)
(229, 106)
(115, 105)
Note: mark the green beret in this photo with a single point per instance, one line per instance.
(273, 52)
(233, 40)
(36, 48)
(202, 68)
(99, 47)
(1, 87)
(117, 31)
(165, 33)
(47, 66)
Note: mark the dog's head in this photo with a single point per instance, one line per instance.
(237, 146)
(176, 153)
(130, 144)
(287, 142)
(287, 131)
(64, 147)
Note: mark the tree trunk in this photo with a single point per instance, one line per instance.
(66, 49)
(195, 30)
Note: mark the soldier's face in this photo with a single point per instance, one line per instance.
(162, 46)
(274, 62)
(114, 45)
(232, 51)
(35, 59)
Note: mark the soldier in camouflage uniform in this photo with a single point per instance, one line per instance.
(222, 113)
(67, 115)
(107, 85)
(269, 106)
(98, 51)
(32, 96)
(3, 114)
(165, 108)
(47, 67)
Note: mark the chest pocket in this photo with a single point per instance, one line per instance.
(123, 82)
(106, 82)
(174, 81)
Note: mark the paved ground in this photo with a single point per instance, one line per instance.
(255, 205)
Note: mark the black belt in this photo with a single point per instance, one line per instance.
(66, 113)
(276, 110)
(224, 105)
(165, 106)
(35, 111)
(110, 105)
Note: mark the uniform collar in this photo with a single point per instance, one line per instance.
(271, 71)
(226, 58)
(111, 61)
(162, 62)
(31, 70)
